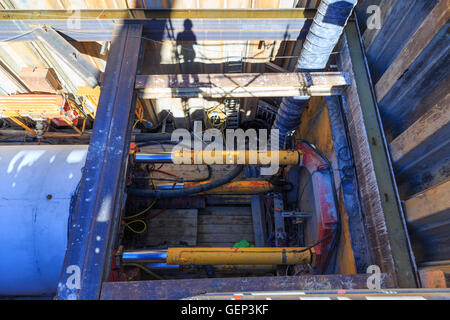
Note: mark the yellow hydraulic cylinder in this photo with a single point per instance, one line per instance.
(248, 157)
(237, 187)
(240, 256)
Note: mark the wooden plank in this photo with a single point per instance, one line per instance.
(224, 237)
(248, 85)
(259, 221)
(434, 22)
(213, 228)
(225, 220)
(216, 244)
(173, 227)
(226, 211)
(427, 133)
(224, 226)
(429, 202)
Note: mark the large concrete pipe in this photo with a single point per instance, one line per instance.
(37, 186)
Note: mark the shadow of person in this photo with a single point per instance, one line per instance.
(186, 41)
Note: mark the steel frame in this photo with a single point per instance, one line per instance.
(161, 24)
(97, 205)
(389, 240)
(96, 214)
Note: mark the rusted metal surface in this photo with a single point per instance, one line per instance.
(406, 294)
(324, 201)
(98, 204)
(431, 278)
(182, 289)
(241, 256)
(237, 187)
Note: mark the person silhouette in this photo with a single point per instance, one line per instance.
(186, 41)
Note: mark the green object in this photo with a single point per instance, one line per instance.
(243, 244)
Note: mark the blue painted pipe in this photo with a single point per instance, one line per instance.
(163, 266)
(36, 188)
(164, 157)
(324, 34)
(155, 256)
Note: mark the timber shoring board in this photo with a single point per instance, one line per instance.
(241, 85)
(224, 226)
(173, 227)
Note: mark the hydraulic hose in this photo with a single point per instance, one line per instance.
(179, 193)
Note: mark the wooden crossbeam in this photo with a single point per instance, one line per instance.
(246, 85)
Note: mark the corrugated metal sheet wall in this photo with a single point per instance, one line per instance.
(408, 57)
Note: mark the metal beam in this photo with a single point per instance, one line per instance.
(210, 24)
(244, 85)
(385, 221)
(97, 210)
(395, 294)
(185, 288)
(160, 14)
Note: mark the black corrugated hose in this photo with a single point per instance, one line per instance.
(161, 194)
